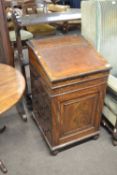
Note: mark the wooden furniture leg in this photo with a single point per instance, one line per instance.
(19, 56)
(114, 140)
(22, 109)
(2, 167)
(111, 129)
(2, 129)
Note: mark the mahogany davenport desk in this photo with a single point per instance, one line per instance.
(68, 80)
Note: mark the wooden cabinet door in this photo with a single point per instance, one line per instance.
(79, 114)
(6, 52)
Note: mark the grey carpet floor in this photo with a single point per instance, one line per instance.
(25, 153)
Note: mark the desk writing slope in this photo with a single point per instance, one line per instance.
(68, 86)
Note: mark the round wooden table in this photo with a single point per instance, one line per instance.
(12, 86)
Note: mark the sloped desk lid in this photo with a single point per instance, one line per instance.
(67, 57)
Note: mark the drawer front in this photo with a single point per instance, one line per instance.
(79, 113)
(41, 105)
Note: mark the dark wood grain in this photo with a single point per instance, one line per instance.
(72, 58)
(68, 80)
(6, 52)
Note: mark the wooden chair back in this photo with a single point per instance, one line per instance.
(34, 7)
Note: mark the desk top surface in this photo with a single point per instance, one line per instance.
(12, 86)
(69, 56)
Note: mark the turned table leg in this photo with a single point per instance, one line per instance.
(2, 129)
(114, 139)
(2, 167)
(22, 109)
